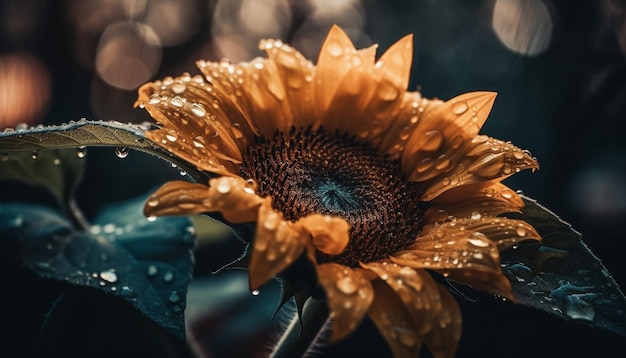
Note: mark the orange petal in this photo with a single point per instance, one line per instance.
(297, 74)
(486, 159)
(194, 151)
(374, 92)
(474, 200)
(349, 294)
(443, 339)
(232, 196)
(329, 234)
(415, 288)
(277, 244)
(441, 137)
(183, 105)
(394, 322)
(333, 64)
(460, 251)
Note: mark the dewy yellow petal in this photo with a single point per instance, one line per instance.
(329, 234)
(443, 134)
(277, 244)
(349, 294)
(232, 196)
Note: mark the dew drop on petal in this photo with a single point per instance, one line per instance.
(459, 107)
(255, 292)
(334, 49)
(151, 218)
(347, 285)
(177, 101)
(431, 141)
(521, 231)
(171, 136)
(178, 88)
(174, 297)
(154, 99)
(198, 110)
(475, 215)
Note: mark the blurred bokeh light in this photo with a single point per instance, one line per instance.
(24, 89)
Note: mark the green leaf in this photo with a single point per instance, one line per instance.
(57, 170)
(560, 275)
(148, 264)
(84, 133)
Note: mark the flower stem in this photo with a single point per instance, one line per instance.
(303, 332)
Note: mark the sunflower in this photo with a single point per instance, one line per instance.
(382, 192)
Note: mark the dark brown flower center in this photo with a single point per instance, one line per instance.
(316, 172)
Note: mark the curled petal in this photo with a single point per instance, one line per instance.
(486, 159)
(461, 253)
(349, 294)
(195, 151)
(277, 244)
(232, 196)
(182, 106)
(394, 322)
(329, 234)
(415, 288)
(444, 133)
(473, 201)
(296, 74)
(443, 339)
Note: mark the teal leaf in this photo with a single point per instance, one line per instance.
(57, 170)
(85, 133)
(561, 276)
(147, 263)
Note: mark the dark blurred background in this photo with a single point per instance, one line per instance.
(559, 68)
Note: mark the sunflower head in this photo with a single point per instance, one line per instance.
(379, 190)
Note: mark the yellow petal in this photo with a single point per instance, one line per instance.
(232, 196)
(441, 137)
(443, 339)
(184, 106)
(349, 294)
(195, 151)
(333, 64)
(415, 288)
(474, 200)
(463, 251)
(297, 75)
(394, 322)
(486, 159)
(277, 244)
(329, 234)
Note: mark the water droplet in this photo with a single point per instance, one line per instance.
(56, 161)
(478, 255)
(152, 270)
(81, 152)
(168, 277)
(174, 297)
(178, 87)
(121, 152)
(255, 292)
(153, 201)
(459, 107)
(127, 292)
(521, 231)
(477, 240)
(223, 187)
(442, 162)
(171, 136)
(347, 285)
(34, 155)
(334, 49)
(431, 141)
(177, 101)
(198, 110)
(151, 218)
(154, 99)
(109, 276)
(475, 215)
